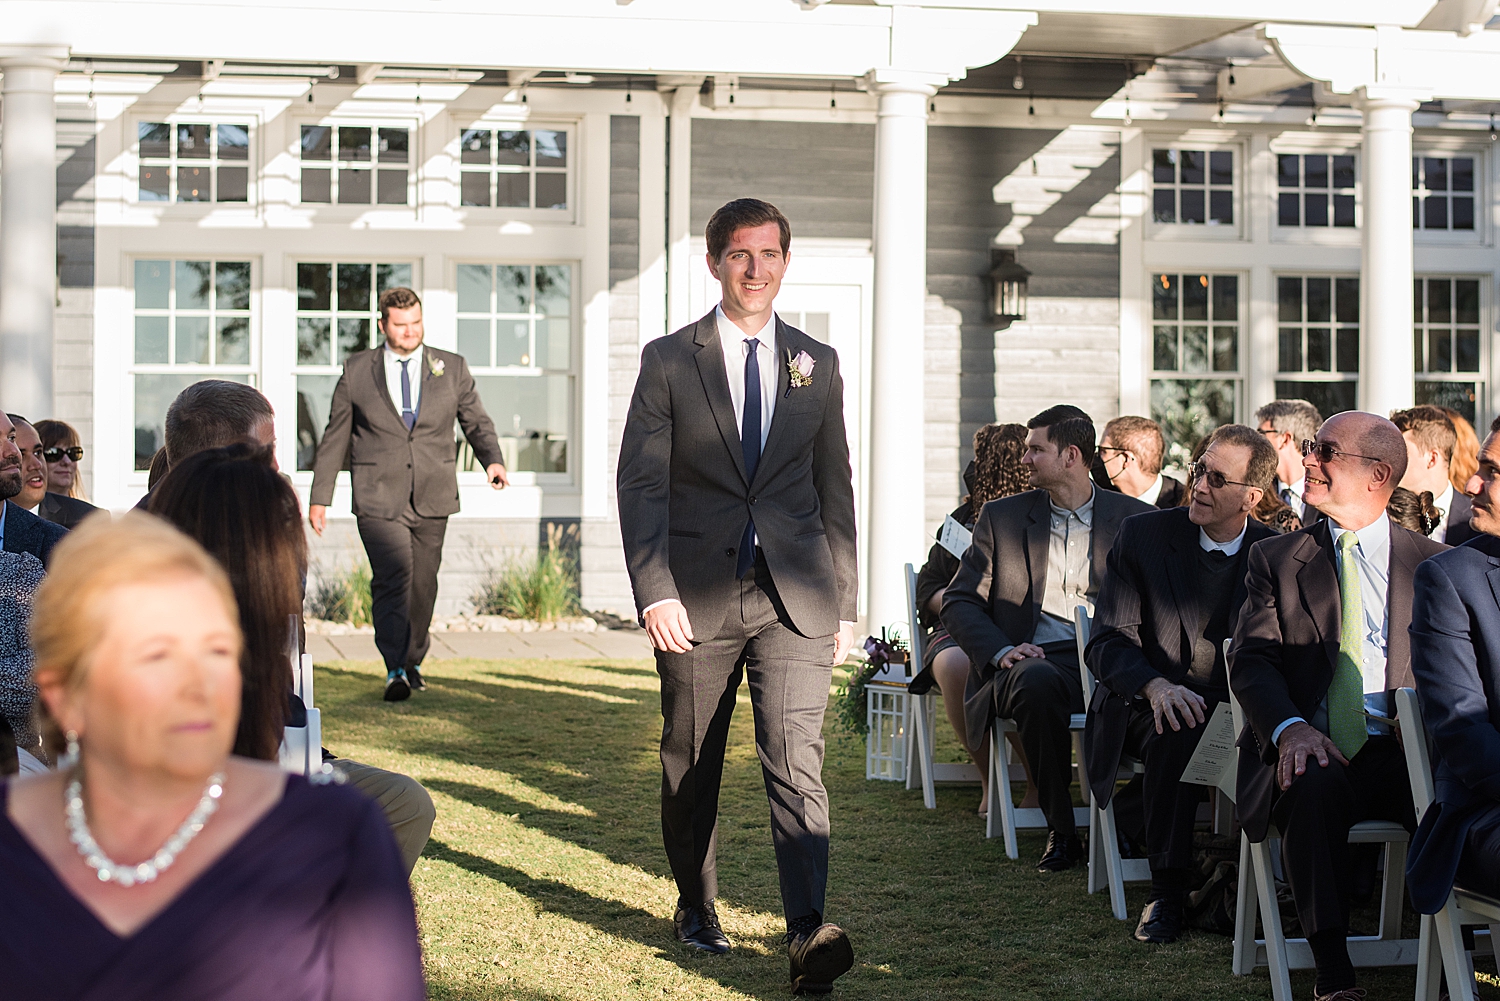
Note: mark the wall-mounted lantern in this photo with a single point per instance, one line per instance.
(1007, 286)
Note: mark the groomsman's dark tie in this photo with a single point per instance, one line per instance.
(408, 415)
(750, 444)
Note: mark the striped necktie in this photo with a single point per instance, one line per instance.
(1346, 693)
(750, 444)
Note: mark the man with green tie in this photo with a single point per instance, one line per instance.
(1320, 645)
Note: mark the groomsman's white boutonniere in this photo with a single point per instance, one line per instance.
(436, 364)
(799, 371)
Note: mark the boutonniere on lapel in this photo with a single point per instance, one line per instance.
(436, 364)
(799, 371)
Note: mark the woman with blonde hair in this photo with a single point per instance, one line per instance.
(1465, 461)
(154, 864)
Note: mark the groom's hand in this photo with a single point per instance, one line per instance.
(668, 626)
(842, 641)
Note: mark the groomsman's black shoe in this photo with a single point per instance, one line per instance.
(1161, 922)
(396, 688)
(698, 927)
(414, 679)
(1064, 849)
(820, 954)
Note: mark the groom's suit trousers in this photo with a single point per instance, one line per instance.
(789, 676)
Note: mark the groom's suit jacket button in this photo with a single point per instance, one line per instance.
(752, 500)
(729, 552)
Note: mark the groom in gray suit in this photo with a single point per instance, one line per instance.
(737, 511)
(391, 421)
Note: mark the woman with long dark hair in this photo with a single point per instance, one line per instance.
(995, 472)
(239, 508)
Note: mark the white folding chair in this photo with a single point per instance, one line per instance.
(301, 749)
(1442, 943)
(1010, 818)
(920, 767)
(1281, 954)
(1106, 866)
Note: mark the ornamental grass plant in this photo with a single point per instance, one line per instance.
(343, 596)
(543, 588)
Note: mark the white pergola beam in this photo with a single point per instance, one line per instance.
(1440, 65)
(704, 37)
(1406, 13)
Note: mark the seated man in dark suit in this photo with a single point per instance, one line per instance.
(1321, 641)
(1035, 557)
(1455, 660)
(1130, 454)
(20, 530)
(1173, 588)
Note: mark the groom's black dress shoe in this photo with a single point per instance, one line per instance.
(1063, 852)
(820, 954)
(1161, 922)
(698, 926)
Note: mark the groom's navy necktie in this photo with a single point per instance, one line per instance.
(408, 416)
(750, 445)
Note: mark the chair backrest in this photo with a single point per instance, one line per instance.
(1414, 742)
(914, 620)
(1081, 625)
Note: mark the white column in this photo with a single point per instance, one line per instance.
(897, 516)
(28, 225)
(679, 202)
(1386, 369)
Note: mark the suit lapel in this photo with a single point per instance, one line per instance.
(1318, 584)
(377, 372)
(1400, 574)
(1181, 555)
(710, 359)
(428, 383)
(1106, 524)
(779, 416)
(1038, 542)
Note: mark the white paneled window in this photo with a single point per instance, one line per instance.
(1315, 189)
(356, 164)
(1192, 187)
(1446, 344)
(337, 314)
(1195, 356)
(515, 329)
(1318, 340)
(1442, 193)
(513, 168)
(193, 321)
(193, 161)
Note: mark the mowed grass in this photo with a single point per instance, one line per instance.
(545, 878)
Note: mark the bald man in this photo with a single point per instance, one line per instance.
(1320, 644)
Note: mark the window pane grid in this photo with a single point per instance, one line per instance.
(1315, 190)
(193, 162)
(337, 314)
(1446, 346)
(513, 168)
(1195, 356)
(192, 321)
(1442, 193)
(355, 164)
(1193, 187)
(515, 331)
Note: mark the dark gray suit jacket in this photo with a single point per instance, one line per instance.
(1146, 625)
(1455, 661)
(1286, 644)
(60, 509)
(995, 600)
(26, 533)
(390, 465)
(685, 499)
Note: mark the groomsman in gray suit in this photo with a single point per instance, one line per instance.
(737, 511)
(392, 421)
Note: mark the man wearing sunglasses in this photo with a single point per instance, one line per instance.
(1320, 644)
(1173, 586)
(1036, 556)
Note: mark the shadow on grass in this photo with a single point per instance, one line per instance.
(613, 918)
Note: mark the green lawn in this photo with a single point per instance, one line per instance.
(545, 878)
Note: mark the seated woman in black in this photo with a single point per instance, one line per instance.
(995, 472)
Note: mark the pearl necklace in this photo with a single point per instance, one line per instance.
(110, 871)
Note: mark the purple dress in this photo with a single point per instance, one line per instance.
(311, 904)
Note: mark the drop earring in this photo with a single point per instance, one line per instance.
(70, 756)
